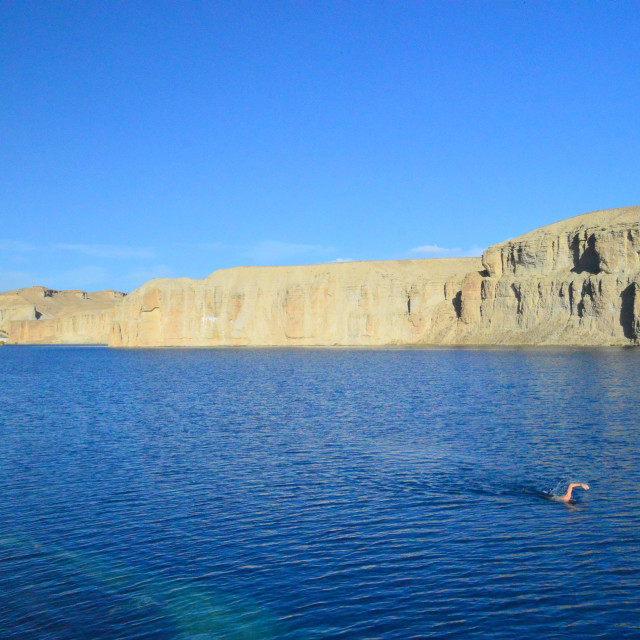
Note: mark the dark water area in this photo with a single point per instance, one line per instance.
(318, 493)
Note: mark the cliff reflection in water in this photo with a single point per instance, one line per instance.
(317, 493)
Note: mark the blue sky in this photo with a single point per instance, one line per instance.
(144, 139)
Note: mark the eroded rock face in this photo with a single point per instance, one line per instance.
(37, 315)
(573, 282)
(355, 303)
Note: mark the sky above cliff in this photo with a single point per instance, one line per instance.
(149, 139)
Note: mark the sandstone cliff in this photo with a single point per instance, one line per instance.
(37, 315)
(353, 303)
(572, 282)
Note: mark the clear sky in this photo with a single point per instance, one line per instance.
(144, 139)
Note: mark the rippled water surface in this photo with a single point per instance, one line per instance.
(318, 493)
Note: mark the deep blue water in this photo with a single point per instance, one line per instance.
(318, 493)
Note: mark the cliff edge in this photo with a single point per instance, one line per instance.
(574, 282)
(350, 303)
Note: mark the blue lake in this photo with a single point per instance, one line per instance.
(318, 493)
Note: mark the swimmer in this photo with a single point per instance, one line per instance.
(566, 497)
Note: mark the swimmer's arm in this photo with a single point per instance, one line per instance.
(572, 486)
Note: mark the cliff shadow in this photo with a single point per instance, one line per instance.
(627, 315)
(457, 304)
(589, 260)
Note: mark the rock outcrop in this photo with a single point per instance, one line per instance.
(37, 315)
(576, 282)
(352, 303)
(572, 282)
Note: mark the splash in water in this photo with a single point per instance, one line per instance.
(563, 492)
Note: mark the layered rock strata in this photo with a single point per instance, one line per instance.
(573, 282)
(38, 315)
(576, 282)
(354, 303)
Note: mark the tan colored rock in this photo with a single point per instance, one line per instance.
(37, 315)
(470, 297)
(573, 282)
(597, 241)
(353, 303)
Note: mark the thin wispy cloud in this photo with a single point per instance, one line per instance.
(435, 251)
(204, 246)
(344, 260)
(16, 246)
(110, 251)
(273, 251)
(88, 277)
(266, 252)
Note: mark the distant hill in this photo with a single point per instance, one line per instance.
(39, 314)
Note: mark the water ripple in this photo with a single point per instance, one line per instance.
(184, 494)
